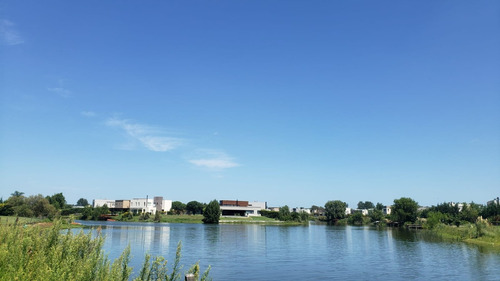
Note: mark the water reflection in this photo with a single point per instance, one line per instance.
(314, 252)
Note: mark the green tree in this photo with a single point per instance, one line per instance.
(491, 211)
(404, 210)
(178, 207)
(212, 212)
(194, 207)
(434, 218)
(379, 206)
(17, 205)
(335, 210)
(365, 205)
(57, 200)
(82, 202)
(284, 214)
(470, 212)
(356, 218)
(99, 211)
(17, 194)
(375, 215)
(40, 206)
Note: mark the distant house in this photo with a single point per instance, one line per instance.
(274, 209)
(122, 205)
(348, 211)
(495, 201)
(301, 210)
(101, 202)
(387, 210)
(241, 208)
(364, 212)
(150, 205)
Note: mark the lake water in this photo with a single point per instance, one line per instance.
(314, 252)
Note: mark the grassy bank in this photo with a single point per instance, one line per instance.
(4, 220)
(163, 218)
(257, 220)
(478, 233)
(32, 252)
(199, 218)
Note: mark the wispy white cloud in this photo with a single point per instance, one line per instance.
(65, 93)
(88, 113)
(150, 137)
(214, 160)
(8, 34)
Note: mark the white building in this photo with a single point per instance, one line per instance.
(241, 208)
(495, 201)
(301, 210)
(348, 211)
(101, 202)
(150, 205)
(386, 210)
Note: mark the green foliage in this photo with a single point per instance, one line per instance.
(379, 206)
(157, 216)
(335, 210)
(212, 212)
(434, 218)
(6, 209)
(375, 215)
(82, 202)
(304, 217)
(284, 214)
(469, 212)
(356, 218)
(491, 211)
(46, 253)
(41, 206)
(194, 207)
(17, 194)
(57, 200)
(404, 210)
(365, 205)
(35, 253)
(178, 207)
(270, 214)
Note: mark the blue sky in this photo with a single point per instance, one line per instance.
(289, 102)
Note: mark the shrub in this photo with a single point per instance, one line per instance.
(46, 253)
(212, 212)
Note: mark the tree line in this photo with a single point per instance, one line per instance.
(403, 210)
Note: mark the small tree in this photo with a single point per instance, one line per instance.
(194, 207)
(284, 214)
(82, 202)
(212, 212)
(365, 205)
(375, 215)
(178, 207)
(404, 210)
(356, 218)
(57, 200)
(335, 210)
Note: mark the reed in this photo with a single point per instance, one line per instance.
(33, 252)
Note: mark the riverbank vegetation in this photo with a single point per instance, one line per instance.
(32, 252)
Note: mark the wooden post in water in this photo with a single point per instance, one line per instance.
(189, 277)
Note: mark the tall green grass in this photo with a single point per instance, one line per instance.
(48, 253)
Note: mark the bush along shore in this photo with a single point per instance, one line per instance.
(32, 252)
(479, 233)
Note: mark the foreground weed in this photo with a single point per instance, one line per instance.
(46, 253)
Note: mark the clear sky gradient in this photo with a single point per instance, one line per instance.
(289, 102)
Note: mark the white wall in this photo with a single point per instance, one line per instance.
(101, 202)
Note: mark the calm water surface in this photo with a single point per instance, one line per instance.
(314, 252)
